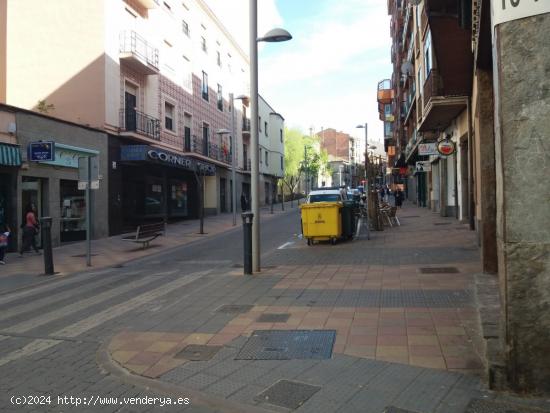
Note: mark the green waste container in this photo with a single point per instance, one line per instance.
(348, 219)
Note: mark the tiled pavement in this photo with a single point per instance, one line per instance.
(397, 326)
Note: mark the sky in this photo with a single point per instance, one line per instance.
(327, 75)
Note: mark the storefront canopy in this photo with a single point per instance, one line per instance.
(159, 156)
(9, 155)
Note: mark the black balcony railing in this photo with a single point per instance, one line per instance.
(131, 42)
(135, 121)
(246, 125)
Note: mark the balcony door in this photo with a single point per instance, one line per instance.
(130, 104)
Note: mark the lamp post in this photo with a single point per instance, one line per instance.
(274, 35)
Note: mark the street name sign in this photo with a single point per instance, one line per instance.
(42, 151)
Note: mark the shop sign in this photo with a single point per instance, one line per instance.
(174, 159)
(446, 147)
(403, 170)
(42, 151)
(425, 149)
(507, 10)
(423, 166)
(391, 150)
(67, 156)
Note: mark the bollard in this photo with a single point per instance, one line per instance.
(46, 223)
(247, 233)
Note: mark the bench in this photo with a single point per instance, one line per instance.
(146, 233)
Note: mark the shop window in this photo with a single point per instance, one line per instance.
(154, 198)
(73, 211)
(178, 198)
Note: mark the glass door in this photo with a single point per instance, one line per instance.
(31, 194)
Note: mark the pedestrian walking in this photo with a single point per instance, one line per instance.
(4, 240)
(399, 198)
(244, 202)
(30, 230)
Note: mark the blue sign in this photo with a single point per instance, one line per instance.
(42, 151)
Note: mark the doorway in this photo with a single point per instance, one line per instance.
(223, 207)
(130, 105)
(32, 194)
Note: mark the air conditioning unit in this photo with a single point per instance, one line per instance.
(12, 128)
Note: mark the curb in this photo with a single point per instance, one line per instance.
(106, 363)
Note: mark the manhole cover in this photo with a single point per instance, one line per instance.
(198, 352)
(442, 223)
(273, 318)
(391, 409)
(287, 394)
(288, 345)
(486, 406)
(439, 270)
(234, 308)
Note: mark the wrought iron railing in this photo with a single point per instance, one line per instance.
(131, 42)
(135, 121)
(246, 125)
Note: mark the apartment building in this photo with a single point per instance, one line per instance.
(468, 98)
(342, 152)
(156, 76)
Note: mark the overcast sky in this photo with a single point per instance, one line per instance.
(327, 75)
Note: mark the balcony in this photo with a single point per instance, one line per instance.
(138, 54)
(385, 92)
(246, 126)
(133, 121)
(439, 108)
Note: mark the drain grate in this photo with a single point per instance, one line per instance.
(486, 406)
(287, 394)
(439, 270)
(83, 255)
(410, 216)
(234, 308)
(273, 318)
(198, 352)
(288, 345)
(442, 223)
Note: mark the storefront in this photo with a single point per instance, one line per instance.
(10, 161)
(52, 185)
(155, 184)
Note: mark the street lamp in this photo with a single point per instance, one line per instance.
(274, 35)
(365, 126)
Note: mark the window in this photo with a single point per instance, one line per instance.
(266, 158)
(185, 28)
(220, 98)
(261, 155)
(203, 45)
(259, 123)
(281, 134)
(231, 145)
(168, 116)
(265, 128)
(167, 7)
(205, 139)
(282, 163)
(219, 59)
(428, 54)
(204, 86)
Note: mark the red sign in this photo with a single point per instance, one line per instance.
(403, 170)
(446, 147)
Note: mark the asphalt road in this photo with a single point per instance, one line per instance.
(50, 333)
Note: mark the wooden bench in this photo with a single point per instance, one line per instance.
(146, 233)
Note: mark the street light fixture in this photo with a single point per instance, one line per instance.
(274, 35)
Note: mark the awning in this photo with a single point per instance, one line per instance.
(9, 155)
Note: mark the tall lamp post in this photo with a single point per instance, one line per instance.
(274, 35)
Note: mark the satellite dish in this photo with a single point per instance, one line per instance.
(407, 68)
(415, 2)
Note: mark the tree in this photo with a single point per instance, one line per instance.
(44, 107)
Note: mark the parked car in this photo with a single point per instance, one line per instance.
(327, 195)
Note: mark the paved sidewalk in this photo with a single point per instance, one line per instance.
(112, 251)
(400, 307)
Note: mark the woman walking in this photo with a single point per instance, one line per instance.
(30, 230)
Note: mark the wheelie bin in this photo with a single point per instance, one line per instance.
(348, 219)
(321, 221)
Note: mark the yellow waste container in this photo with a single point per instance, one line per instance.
(321, 221)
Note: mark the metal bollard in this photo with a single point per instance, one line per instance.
(247, 233)
(46, 223)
